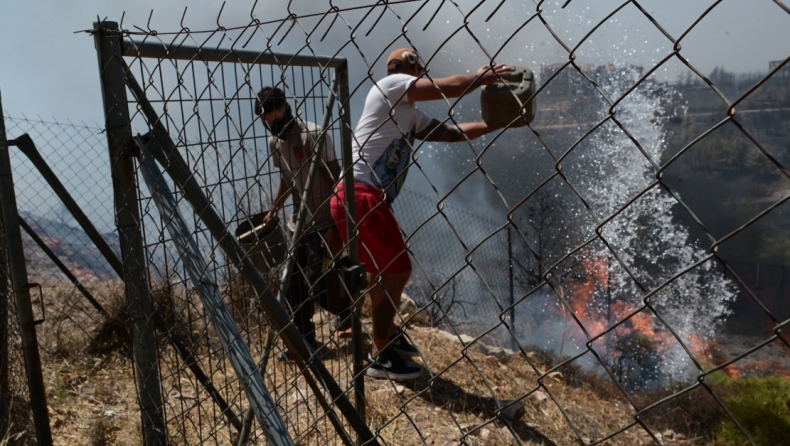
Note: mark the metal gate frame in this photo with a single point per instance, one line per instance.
(111, 48)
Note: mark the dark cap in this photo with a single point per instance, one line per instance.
(268, 100)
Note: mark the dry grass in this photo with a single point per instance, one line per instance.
(92, 396)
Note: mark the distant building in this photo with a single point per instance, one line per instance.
(783, 73)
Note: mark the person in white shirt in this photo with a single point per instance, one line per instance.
(383, 148)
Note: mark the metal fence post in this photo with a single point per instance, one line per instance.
(353, 250)
(108, 41)
(782, 299)
(21, 287)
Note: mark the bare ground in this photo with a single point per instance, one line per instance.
(468, 396)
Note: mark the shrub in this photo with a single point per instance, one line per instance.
(113, 334)
(761, 405)
(102, 433)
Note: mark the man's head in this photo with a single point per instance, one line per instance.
(405, 61)
(275, 112)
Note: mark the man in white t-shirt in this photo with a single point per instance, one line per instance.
(292, 147)
(383, 147)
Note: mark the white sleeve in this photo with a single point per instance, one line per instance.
(328, 151)
(395, 86)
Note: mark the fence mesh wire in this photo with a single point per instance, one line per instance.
(572, 262)
(15, 397)
(70, 150)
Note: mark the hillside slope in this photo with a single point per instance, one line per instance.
(473, 395)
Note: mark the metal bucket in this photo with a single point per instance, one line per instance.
(268, 247)
(501, 103)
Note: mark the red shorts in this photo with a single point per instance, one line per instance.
(381, 246)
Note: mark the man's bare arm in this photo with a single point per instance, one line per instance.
(454, 86)
(450, 132)
(333, 169)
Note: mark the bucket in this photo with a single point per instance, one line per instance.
(267, 247)
(501, 103)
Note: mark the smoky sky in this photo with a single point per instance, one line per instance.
(49, 67)
(48, 70)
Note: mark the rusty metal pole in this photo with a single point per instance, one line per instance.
(21, 287)
(108, 41)
(63, 269)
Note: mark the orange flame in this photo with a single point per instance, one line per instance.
(595, 321)
(582, 304)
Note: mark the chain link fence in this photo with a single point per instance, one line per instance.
(572, 284)
(70, 151)
(17, 419)
(468, 301)
(60, 258)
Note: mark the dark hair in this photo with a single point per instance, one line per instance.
(269, 99)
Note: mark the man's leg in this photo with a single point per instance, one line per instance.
(333, 241)
(385, 300)
(299, 292)
(380, 246)
(385, 361)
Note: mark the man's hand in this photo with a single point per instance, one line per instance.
(489, 75)
(269, 220)
(490, 128)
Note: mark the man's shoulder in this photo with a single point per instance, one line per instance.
(395, 80)
(397, 77)
(310, 130)
(309, 126)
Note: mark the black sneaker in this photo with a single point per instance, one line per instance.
(388, 365)
(402, 346)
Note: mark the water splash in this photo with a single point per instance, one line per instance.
(655, 251)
